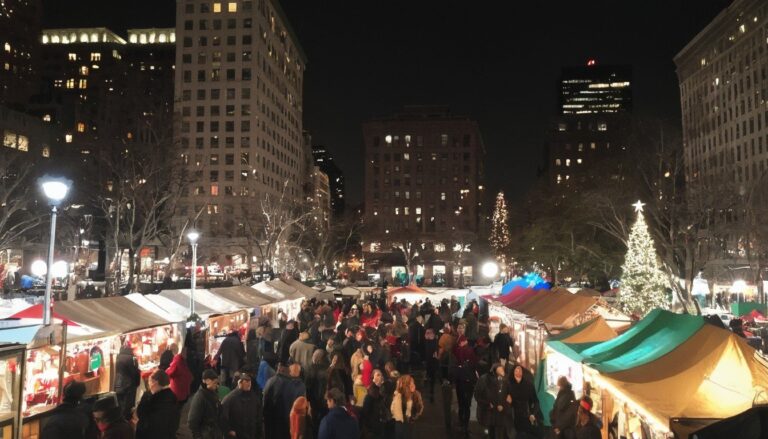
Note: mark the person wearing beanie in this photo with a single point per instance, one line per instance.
(68, 420)
(241, 410)
(205, 409)
(301, 351)
(110, 420)
(586, 423)
(159, 410)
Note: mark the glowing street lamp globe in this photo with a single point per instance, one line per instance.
(490, 269)
(193, 236)
(55, 189)
(39, 268)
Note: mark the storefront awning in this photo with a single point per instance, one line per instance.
(109, 314)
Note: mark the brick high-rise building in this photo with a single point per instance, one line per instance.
(238, 87)
(19, 49)
(423, 182)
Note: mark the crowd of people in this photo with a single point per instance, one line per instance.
(342, 369)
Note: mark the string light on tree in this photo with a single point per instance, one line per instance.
(500, 239)
(643, 283)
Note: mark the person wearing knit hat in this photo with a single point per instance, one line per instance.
(586, 423)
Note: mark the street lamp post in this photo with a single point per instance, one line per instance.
(193, 236)
(55, 189)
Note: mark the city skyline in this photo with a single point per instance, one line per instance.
(490, 51)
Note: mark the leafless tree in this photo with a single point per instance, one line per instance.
(19, 213)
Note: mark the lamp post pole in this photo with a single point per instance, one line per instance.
(194, 280)
(47, 302)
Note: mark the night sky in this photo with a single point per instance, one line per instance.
(498, 64)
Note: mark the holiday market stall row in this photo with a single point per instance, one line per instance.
(666, 376)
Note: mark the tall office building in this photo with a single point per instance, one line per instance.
(19, 44)
(723, 75)
(324, 160)
(423, 180)
(590, 134)
(238, 87)
(724, 99)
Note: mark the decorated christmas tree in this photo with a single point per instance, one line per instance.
(500, 240)
(643, 284)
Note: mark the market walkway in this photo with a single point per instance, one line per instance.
(430, 426)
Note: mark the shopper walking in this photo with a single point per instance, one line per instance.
(127, 379)
(158, 411)
(241, 410)
(204, 419)
(338, 423)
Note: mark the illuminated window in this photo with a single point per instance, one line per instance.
(84, 70)
(47, 118)
(559, 178)
(68, 138)
(557, 162)
(397, 211)
(418, 211)
(593, 145)
(406, 211)
(216, 8)
(742, 28)
(83, 84)
(439, 247)
(46, 151)
(72, 56)
(213, 209)
(7, 66)
(80, 127)
(602, 126)
(231, 7)
(70, 83)
(23, 143)
(567, 162)
(9, 139)
(374, 247)
(578, 161)
(442, 196)
(388, 138)
(95, 56)
(444, 139)
(215, 190)
(406, 156)
(8, 47)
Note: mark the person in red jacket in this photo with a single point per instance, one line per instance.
(181, 376)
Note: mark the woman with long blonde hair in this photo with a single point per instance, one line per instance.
(406, 406)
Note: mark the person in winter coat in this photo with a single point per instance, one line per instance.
(501, 420)
(416, 339)
(301, 351)
(204, 419)
(586, 423)
(110, 420)
(317, 385)
(167, 357)
(289, 335)
(502, 343)
(158, 411)
(181, 377)
(339, 376)
(524, 401)
(563, 415)
(405, 407)
(375, 413)
(127, 379)
(68, 420)
(432, 363)
(301, 419)
(338, 423)
(266, 370)
(279, 394)
(230, 357)
(241, 411)
(482, 396)
(464, 380)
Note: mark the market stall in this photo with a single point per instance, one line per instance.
(669, 374)
(307, 292)
(284, 299)
(411, 293)
(245, 296)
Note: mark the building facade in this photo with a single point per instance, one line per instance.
(238, 88)
(19, 46)
(423, 188)
(723, 76)
(592, 130)
(324, 160)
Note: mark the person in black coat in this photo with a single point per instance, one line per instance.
(68, 420)
(111, 421)
(317, 385)
(586, 423)
(241, 411)
(431, 361)
(289, 335)
(501, 418)
(230, 357)
(204, 418)
(127, 379)
(376, 412)
(524, 401)
(279, 394)
(502, 343)
(158, 411)
(563, 415)
(338, 424)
